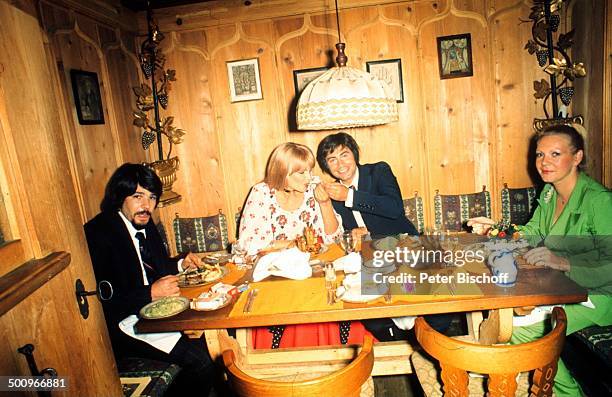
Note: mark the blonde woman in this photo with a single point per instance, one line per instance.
(279, 208)
(276, 211)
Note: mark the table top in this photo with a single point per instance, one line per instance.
(284, 301)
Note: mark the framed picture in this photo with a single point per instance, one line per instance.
(389, 71)
(455, 56)
(87, 100)
(244, 81)
(302, 77)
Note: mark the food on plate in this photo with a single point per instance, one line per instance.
(164, 307)
(207, 274)
(309, 241)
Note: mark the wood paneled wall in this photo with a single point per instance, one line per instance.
(454, 135)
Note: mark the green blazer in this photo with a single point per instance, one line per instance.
(582, 233)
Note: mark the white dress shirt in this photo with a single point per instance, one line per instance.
(349, 198)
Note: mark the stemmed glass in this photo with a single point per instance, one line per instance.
(330, 283)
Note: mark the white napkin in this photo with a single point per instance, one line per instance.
(350, 263)
(164, 341)
(405, 323)
(290, 263)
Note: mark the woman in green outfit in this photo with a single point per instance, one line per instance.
(572, 232)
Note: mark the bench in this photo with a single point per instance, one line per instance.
(146, 377)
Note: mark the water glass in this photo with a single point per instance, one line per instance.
(330, 282)
(347, 242)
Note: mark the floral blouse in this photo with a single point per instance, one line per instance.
(264, 221)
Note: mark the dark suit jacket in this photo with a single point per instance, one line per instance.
(115, 259)
(379, 200)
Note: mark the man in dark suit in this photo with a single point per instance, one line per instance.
(369, 200)
(366, 196)
(132, 266)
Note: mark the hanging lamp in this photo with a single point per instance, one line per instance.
(345, 97)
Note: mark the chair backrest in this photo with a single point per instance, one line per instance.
(501, 362)
(517, 204)
(201, 234)
(413, 208)
(453, 210)
(346, 381)
(164, 236)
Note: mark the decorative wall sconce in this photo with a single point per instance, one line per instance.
(150, 98)
(554, 58)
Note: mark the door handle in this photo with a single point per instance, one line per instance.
(103, 292)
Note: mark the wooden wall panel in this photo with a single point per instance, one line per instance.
(454, 135)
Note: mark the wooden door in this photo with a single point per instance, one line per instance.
(41, 200)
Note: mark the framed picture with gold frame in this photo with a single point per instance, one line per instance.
(455, 56)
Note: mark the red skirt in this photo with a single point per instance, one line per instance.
(305, 335)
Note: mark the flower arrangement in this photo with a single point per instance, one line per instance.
(505, 230)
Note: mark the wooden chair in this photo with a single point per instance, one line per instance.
(501, 362)
(453, 210)
(200, 234)
(517, 204)
(347, 381)
(413, 208)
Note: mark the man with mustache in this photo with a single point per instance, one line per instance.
(131, 265)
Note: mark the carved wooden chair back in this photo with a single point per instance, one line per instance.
(501, 362)
(346, 381)
(453, 210)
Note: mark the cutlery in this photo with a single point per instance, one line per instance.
(250, 300)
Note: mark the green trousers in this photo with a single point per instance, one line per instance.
(578, 317)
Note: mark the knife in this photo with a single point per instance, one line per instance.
(250, 299)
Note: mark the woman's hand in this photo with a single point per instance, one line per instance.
(321, 195)
(336, 191)
(480, 225)
(542, 256)
(191, 262)
(165, 286)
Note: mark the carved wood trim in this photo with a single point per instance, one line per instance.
(15, 286)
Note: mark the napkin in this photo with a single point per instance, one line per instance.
(163, 341)
(290, 263)
(350, 263)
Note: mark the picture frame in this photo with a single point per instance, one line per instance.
(389, 71)
(244, 80)
(87, 99)
(455, 56)
(302, 77)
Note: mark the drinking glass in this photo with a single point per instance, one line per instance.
(330, 282)
(347, 242)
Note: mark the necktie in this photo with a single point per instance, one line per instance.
(145, 255)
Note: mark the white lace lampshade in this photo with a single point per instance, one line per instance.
(345, 97)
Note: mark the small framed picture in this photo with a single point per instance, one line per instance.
(87, 99)
(302, 77)
(455, 56)
(244, 82)
(389, 71)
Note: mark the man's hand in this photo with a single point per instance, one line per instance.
(336, 191)
(480, 225)
(165, 286)
(191, 262)
(321, 195)
(542, 256)
(359, 232)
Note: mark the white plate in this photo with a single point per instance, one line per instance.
(355, 295)
(165, 307)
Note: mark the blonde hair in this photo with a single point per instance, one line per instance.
(286, 159)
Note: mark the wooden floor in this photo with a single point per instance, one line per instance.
(397, 385)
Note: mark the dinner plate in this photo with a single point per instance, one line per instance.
(355, 296)
(226, 301)
(186, 283)
(165, 307)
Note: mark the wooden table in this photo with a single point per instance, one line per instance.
(534, 287)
